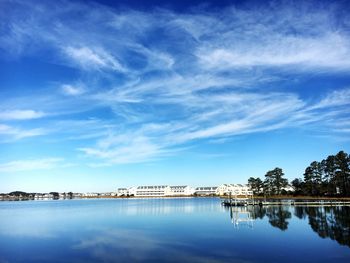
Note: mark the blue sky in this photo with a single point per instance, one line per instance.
(99, 95)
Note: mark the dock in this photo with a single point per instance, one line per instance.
(252, 202)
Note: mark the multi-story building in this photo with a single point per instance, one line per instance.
(234, 189)
(205, 190)
(181, 190)
(132, 191)
(153, 190)
(122, 192)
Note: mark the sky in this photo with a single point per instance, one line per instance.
(96, 95)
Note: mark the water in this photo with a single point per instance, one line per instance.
(170, 230)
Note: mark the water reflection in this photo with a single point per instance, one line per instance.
(170, 230)
(328, 222)
(165, 206)
(241, 216)
(278, 217)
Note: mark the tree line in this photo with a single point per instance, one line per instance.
(328, 177)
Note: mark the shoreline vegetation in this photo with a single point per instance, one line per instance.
(277, 198)
(329, 178)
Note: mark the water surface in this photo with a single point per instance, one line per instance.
(170, 230)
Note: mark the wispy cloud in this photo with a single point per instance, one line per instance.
(87, 58)
(31, 165)
(11, 133)
(336, 98)
(68, 89)
(20, 114)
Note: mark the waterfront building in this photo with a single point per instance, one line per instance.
(181, 190)
(205, 190)
(38, 196)
(288, 188)
(89, 194)
(234, 189)
(153, 190)
(132, 191)
(122, 192)
(47, 196)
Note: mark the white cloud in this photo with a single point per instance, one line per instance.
(72, 90)
(30, 165)
(12, 133)
(20, 114)
(93, 59)
(298, 53)
(123, 149)
(336, 98)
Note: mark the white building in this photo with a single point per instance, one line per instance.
(153, 190)
(205, 190)
(234, 189)
(122, 192)
(288, 188)
(181, 190)
(132, 191)
(89, 195)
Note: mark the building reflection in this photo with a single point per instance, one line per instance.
(165, 206)
(277, 215)
(241, 216)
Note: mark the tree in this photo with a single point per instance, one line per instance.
(331, 176)
(342, 173)
(328, 180)
(298, 185)
(256, 184)
(274, 181)
(313, 178)
(316, 168)
(308, 178)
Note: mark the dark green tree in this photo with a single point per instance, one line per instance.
(256, 184)
(274, 181)
(308, 179)
(342, 173)
(298, 185)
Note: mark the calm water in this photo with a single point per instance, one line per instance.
(170, 230)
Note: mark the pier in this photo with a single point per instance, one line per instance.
(253, 202)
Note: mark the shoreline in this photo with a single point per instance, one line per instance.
(260, 198)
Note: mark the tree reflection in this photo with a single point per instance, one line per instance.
(327, 221)
(332, 222)
(278, 217)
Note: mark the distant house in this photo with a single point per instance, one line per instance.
(89, 194)
(288, 188)
(205, 190)
(47, 196)
(122, 192)
(234, 189)
(38, 196)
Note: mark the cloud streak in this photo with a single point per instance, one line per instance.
(30, 165)
(11, 133)
(20, 115)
